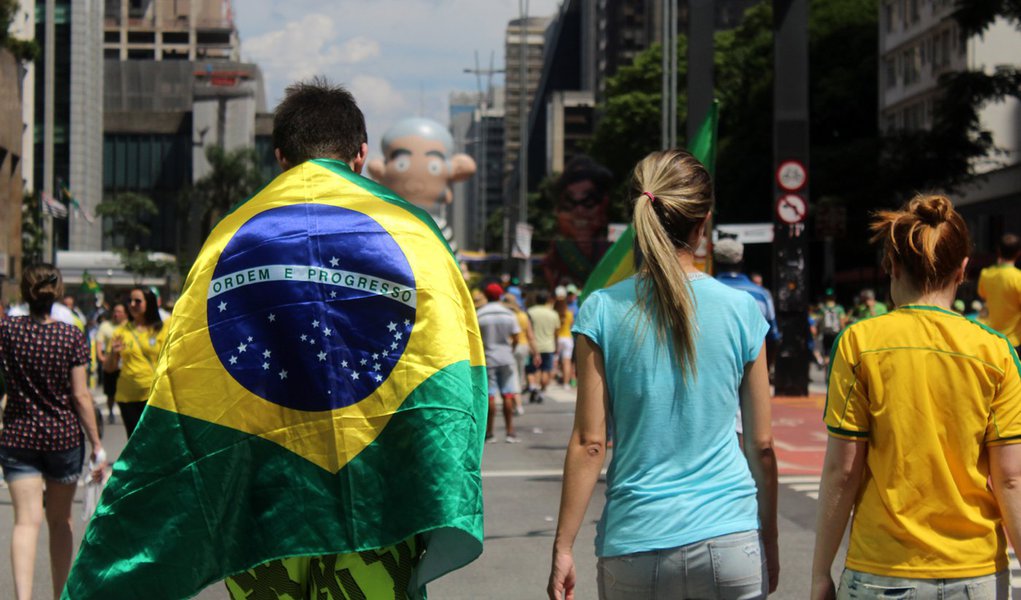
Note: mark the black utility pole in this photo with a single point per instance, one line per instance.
(701, 26)
(790, 193)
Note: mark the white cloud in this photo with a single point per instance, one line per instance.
(400, 58)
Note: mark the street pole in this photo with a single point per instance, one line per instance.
(49, 64)
(701, 25)
(522, 136)
(482, 104)
(668, 105)
(790, 193)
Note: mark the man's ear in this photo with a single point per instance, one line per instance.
(462, 167)
(359, 159)
(376, 168)
(284, 165)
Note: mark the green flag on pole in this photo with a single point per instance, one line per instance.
(619, 261)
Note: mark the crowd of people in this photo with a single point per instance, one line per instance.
(923, 412)
(49, 352)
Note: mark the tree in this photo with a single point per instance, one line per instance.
(32, 235)
(25, 51)
(234, 176)
(128, 232)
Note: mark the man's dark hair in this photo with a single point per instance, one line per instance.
(1009, 246)
(542, 297)
(317, 119)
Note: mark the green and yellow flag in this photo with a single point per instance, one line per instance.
(619, 261)
(322, 391)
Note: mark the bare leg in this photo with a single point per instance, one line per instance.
(508, 412)
(58, 518)
(489, 419)
(27, 497)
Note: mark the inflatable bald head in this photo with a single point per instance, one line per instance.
(419, 162)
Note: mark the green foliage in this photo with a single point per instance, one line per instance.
(128, 214)
(234, 176)
(32, 235)
(541, 216)
(975, 16)
(23, 50)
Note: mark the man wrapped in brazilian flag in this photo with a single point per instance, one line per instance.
(315, 428)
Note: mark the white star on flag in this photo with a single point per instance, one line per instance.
(407, 322)
(233, 360)
(322, 356)
(379, 378)
(267, 354)
(392, 326)
(312, 341)
(327, 332)
(242, 347)
(343, 363)
(315, 324)
(333, 294)
(376, 367)
(354, 374)
(272, 317)
(334, 261)
(249, 339)
(304, 337)
(265, 366)
(283, 374)
(364, 362)
(398, 335)
(222, 306)
(393, 346)
(375, 356)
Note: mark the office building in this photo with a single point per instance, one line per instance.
(11, 162)
(190, 30)
(919, 41)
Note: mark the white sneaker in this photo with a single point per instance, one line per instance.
(512, 439)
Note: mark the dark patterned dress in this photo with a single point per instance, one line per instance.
(37, 359)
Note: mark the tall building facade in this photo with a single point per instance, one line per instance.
(174, 88)
(11, 162)
(178, 30)
(919, 41)
(531, 33)
(67, 115)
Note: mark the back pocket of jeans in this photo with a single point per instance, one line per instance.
(737, 562)
(872, 590)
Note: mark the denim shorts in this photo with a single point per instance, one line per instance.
(856, 584)
(503, 380)
(731, 566)
(62, 466)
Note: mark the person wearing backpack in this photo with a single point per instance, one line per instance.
(832, 320)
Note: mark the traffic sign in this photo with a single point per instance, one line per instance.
(791, 209)
(791, 175)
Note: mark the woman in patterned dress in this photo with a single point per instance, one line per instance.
(42, 448)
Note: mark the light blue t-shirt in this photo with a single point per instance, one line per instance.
(677, 475)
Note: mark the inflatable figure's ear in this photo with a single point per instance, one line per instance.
(462, 167)
(376, 168)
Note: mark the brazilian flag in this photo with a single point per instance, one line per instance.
(322, 391)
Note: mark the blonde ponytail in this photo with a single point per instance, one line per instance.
(673, 195)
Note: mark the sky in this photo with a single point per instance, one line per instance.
(400, 58)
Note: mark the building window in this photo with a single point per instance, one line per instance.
(888, 16)
(891, 73)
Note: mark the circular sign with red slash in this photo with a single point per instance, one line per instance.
(791, 175)
(791, 209)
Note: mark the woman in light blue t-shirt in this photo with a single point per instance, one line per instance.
(669, 356)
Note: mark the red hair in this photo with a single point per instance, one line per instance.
(927, 238)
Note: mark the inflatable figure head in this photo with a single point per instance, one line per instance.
(419, 162)
(583, 199)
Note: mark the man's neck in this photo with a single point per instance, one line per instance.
(1006, 261)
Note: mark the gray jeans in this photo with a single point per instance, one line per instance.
(855, 584)
(731, 567)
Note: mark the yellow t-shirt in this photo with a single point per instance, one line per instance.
(138, 360)
(565, 325)
(927, 390)
(1000, 286)
(523, 325)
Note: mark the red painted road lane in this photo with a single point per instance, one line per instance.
(799, 434)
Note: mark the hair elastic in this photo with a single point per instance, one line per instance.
(649, 194)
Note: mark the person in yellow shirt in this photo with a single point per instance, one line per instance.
(1000, 286)
(136, 346)
(565, 342)
(923, 409)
